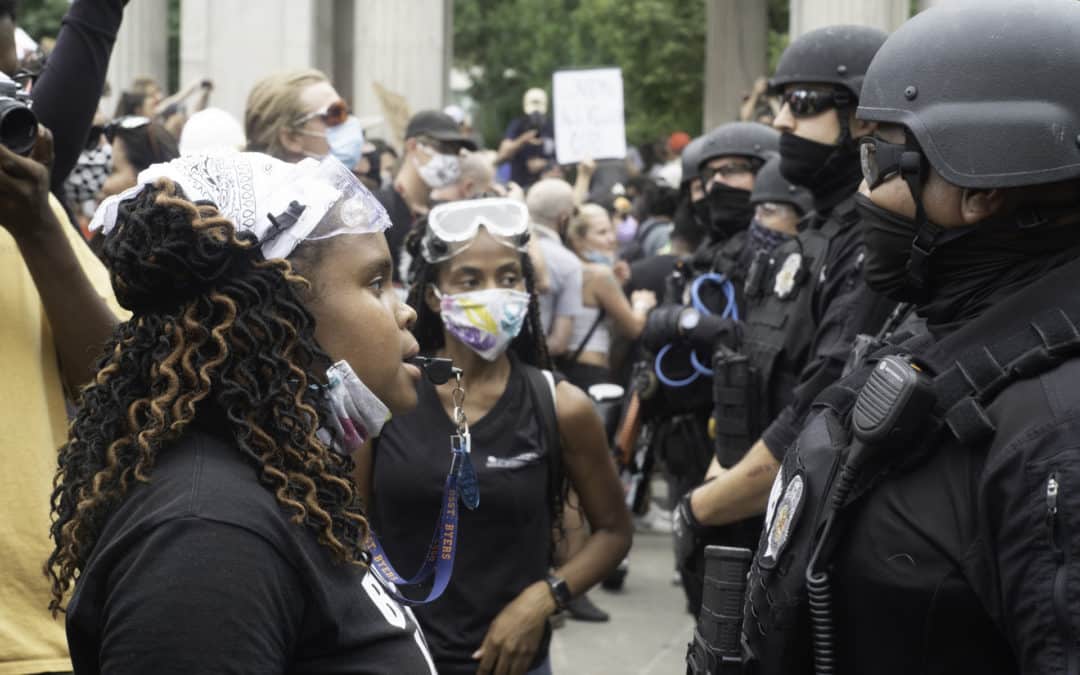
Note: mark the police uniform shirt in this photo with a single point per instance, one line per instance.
(964, 556)
(842, 306)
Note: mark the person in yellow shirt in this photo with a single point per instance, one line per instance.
(54, 318)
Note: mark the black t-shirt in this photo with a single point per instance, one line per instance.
(402, 218)
(503, 545)
(201, 571)
(519, 163)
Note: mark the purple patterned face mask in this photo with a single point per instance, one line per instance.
(485, 321)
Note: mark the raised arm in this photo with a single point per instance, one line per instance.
(68, 91)
(628, 315)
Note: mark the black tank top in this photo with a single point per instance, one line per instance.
(503, 545)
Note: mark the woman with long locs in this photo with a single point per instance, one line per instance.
(532, 440)
(205, 511)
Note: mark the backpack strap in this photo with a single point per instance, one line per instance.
(542, 391)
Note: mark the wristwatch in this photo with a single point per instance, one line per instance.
(559, 591)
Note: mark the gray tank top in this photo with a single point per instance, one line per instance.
(600, 341)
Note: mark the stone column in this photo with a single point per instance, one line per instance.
(736, 42)
(806, 15)
(405, 47)
(237, 42)
(140, 49)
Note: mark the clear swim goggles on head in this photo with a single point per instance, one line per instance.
(451, 228)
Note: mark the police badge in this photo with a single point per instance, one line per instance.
(788, 276)
(784, 520)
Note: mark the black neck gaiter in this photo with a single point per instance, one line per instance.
(969, 269)
(830, 172)
(730, 210)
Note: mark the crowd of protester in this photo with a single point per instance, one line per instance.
(233, 331)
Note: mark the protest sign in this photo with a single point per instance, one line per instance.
(589, 119)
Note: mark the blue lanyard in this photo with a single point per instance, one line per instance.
(461, 483)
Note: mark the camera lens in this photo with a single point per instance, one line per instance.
(18, 126)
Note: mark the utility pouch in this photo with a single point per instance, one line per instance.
(733, 389)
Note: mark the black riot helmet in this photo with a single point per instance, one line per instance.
(987, 89)
(727, 210)
(771, 186)
(748, 139)
(691, 160)
(837, 55)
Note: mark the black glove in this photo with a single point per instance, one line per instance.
(661, 327)
(712, 331)
(688, 531)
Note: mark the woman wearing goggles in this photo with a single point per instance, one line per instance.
(453, 227)
(474, 292)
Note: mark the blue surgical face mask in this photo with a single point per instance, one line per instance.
(346, 141)
(600, 258)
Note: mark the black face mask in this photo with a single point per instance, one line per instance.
(830, 172)
(730, 210)
(968, 267)
(888, 238)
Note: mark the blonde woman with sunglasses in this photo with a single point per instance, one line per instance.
(289, 114)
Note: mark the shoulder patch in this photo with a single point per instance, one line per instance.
(784, 520)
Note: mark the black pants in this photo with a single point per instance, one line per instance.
(584, 375)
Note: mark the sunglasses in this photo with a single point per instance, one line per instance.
(725, 171)
(811, 102)
(332, 114)
(882, 160)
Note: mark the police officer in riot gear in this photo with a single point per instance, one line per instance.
(808, 298)
(926, 520)
(779, 205)
(729, 159)
(676, 398)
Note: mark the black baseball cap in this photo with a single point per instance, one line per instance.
(437, 125)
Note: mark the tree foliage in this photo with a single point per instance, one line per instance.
(41, 18)
(508, 46)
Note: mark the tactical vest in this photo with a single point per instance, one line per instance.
(970, 374)
(779, 292)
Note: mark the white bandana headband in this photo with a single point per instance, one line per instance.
(257, 193)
